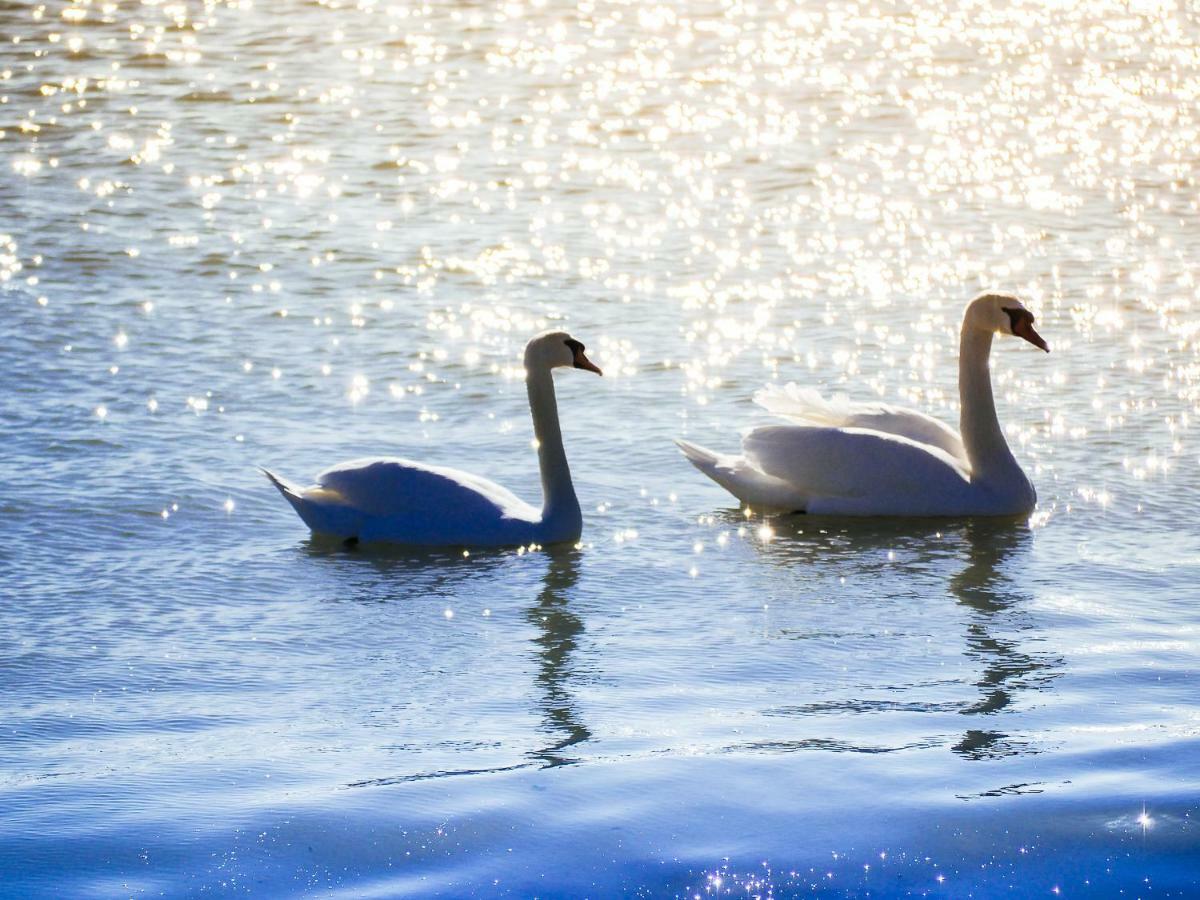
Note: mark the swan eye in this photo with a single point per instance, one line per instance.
(581, 361)
(1016, 316)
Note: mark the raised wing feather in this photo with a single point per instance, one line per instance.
(805, 405)
(387, 487)
(885, 470)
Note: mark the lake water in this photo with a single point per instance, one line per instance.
(291, 234)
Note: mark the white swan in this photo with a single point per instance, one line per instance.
(877, 460)
(405, 502)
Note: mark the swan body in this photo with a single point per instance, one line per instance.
(842, 458)
(401, 501)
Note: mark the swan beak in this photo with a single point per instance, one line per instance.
(1023, 328)
(582, 362)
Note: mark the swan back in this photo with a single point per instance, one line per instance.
(387, 487)
(806, 406)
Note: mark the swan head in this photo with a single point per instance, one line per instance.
(1004, 314)
(557, 349)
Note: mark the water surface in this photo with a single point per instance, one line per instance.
(292, 234)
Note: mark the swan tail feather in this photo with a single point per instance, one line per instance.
(709, 463)
(322, 511)
(294, 495)
(700, 457)
(751, 486)
(289, 490)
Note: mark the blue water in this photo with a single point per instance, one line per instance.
(290, 235)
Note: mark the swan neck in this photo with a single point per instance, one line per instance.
(558, 492)
(983, 438)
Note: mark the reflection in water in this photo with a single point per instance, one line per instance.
(373, 573)
(439, 572)
(559, 629)
(988, 586)
(985, 586)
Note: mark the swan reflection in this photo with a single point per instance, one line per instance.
(558, 632)
(987, 560)
(995, 600)
(373, 575)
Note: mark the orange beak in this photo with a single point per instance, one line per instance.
(582, 362)
(1023, 328)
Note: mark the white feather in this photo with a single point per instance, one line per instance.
(806, 405)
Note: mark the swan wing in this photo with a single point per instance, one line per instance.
(805, 405)
(392, 487)
(856, 470)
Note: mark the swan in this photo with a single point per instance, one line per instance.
(405, 502)
(839, 458)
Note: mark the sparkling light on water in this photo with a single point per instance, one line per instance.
(240, 234)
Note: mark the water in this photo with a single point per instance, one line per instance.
(293, 234)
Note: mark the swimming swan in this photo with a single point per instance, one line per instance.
(877, 460)
(405, 502)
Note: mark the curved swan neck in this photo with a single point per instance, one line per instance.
(983, 438)
(558, 492)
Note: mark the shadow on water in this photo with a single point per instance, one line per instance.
(385, 555)
(801, 539)
(374, 573)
